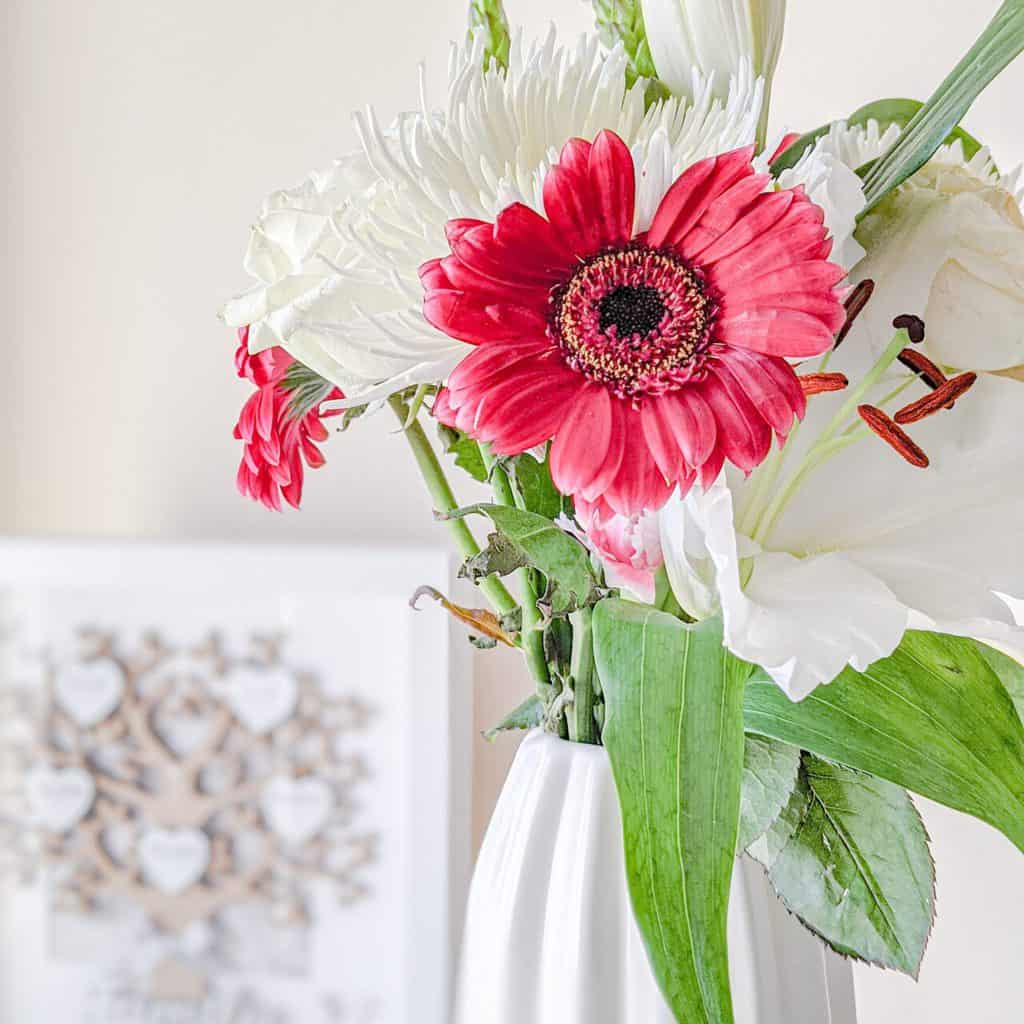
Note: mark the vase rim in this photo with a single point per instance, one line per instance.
(556, 746)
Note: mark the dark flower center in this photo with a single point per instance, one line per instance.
(637, 320)
(631, 309)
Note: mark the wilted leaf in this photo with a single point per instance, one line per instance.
(529, 715)
(478, 618)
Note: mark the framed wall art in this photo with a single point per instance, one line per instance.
(233, 790)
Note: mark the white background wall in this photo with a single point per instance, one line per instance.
(139, 138)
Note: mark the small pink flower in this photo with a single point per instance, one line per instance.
(279, 440)
(649, 359)
(628, 546)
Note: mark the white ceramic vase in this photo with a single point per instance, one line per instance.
(550, 936)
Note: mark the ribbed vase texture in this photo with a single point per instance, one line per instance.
(550, 937)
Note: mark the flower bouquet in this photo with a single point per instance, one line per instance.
(749, 408)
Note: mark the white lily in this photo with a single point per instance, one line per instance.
(714, 37)
(832, 572)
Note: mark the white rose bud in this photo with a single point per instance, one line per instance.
(713, 35)
(948, 246)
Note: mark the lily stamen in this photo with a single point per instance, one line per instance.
(941, 398)
(920, 364)
(822, 383)
(894, 436)
(854, 305)
(913, 325)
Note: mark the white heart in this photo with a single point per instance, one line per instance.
(60, 799)
(296, 809)
(262, 698)
(174, 859)
(89, 690)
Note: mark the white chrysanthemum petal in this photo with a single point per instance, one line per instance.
(832, 183)
(338, 257)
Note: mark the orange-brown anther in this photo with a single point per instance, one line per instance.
(819, 383)
(942, 397)
(929, 373)
(854, 304)
(894, 436)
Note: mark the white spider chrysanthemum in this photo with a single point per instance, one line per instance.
(337, 258)
(948, 246)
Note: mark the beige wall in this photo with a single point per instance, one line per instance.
(140, 137)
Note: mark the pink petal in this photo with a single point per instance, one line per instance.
(770, 384)
(694, 191)
(776, 332)
(744, 438)
(722, 214)
(582, 441)
(763, 213)
(521, 247)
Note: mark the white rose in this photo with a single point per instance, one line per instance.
(948, 246)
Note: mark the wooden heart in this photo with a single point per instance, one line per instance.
(89, 691)
(60, 798)
(296, 809)
(173, 860)
(262, 698)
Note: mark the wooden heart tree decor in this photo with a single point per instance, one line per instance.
(189, 780)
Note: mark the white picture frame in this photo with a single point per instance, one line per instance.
(429, 715)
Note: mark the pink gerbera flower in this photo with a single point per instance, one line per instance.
(279, 436)
(649, 358)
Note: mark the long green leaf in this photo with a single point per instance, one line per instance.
(674, 733)
(1010, 673)
(933, 718)
(886, 112)
(1000, 43)
(527, 539)
(849, 856)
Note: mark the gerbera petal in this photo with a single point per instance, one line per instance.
(694, 191)
(762, 214)
(692, 423)
(722, 214)
(743, 435)
(613, 181)
(582, 441)
(770, 384)
(781, 332)
(521, 247)
(619, 451)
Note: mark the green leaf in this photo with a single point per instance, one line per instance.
(465, 451)
(1000, 43)
(529, 715)
(532, 481)
(849, 856)
(527, 539)
(886, 112)
(933, 718)
(622, 21)
(769, 777)
(674, 733)
(1010, 673)
(488, 16)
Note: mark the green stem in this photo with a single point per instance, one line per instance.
(532, 631)
(444, 501)
(827, 444)
(582, 721)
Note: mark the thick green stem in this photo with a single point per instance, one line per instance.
(585, 686)
(444, 501)
(532, 631)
